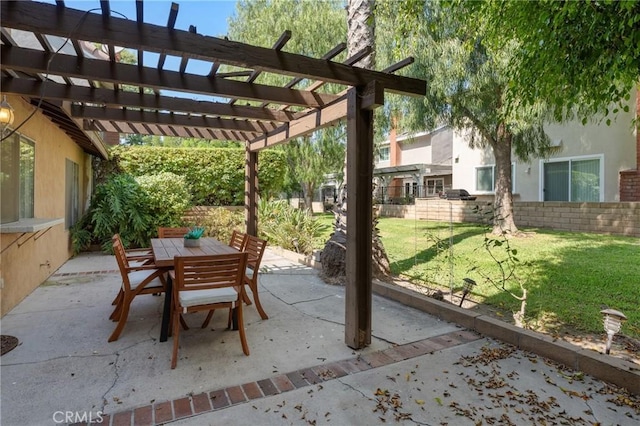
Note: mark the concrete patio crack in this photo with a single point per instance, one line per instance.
(113, 384)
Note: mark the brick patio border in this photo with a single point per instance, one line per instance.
(184, 407)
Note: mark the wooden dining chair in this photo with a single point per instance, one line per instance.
(178, 232)
(136, 257)
(136, 279)
(207, 283)
(255, 248)
(238, 240)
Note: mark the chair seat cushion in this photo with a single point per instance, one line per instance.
(136, 277)
(249, 273)
(206, 297)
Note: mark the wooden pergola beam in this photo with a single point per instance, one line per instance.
(139, 116)
(57, 91)
(358, 262)
(45, 18)
(34, 61)
(304, 125)
(161, 130)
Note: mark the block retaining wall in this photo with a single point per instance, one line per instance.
(606, 218)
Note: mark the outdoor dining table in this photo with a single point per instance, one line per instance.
(165, 249)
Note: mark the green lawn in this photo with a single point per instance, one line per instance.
(569, 276)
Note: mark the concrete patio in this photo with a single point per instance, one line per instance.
(419, 369)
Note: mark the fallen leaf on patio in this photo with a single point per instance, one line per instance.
(438, 400)
(381, 392)
(420, 401)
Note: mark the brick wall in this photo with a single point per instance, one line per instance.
(630, 179)
(606, 218)
(630, 185)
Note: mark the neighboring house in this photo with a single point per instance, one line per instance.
(595, 162)
(414, 166)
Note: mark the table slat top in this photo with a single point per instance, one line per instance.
(165, 249)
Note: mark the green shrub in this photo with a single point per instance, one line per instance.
(215, 176)
(121, 206)
(220, 222)
(290, 228)
(168, 197)
(133, 208)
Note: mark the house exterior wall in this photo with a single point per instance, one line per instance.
(615, 145)
(28, 259)
(416, 150)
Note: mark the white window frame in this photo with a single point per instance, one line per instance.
(382, 158)
(493, 180)
(437, 183)
(570, 159)
(18, 210)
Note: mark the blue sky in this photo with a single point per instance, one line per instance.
(209, 16)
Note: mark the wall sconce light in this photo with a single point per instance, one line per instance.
(529, 170)
(6, 114)
(466, 289)
(612, 322)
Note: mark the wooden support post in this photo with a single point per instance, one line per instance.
(251, 192)
(358, 290)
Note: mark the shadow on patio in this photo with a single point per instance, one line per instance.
(300, 371)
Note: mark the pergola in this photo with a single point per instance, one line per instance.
(89, 93)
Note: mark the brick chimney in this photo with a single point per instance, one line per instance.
(630, 179)
(395, 158)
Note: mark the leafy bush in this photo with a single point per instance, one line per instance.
(120, 205)
(290, 228)
(220, 222)
(133, 208)
(215, 176)
(168, 197)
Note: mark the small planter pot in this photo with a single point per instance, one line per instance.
(188, 242)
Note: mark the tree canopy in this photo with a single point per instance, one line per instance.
(316, 28)
(577, 56)
(468, 85)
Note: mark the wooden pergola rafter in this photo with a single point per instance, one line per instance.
(87, 90)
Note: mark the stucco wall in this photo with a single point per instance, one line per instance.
(29, 259)
(614, 145)
(605, 218)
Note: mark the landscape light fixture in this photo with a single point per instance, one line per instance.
(6, 114)
(466, 289)
(612, 322)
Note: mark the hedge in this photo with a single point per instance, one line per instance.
(215, 176)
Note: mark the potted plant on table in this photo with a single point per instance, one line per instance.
(192, 238)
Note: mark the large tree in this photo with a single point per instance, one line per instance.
(311, 158)
(467, 88)
(316, 28)
(578, 56)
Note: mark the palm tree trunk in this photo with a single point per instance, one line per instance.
(361, 33)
